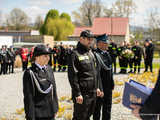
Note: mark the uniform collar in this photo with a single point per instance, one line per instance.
(101, 51)
(41, 67)
(82, 47)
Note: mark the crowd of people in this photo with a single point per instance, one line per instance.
(90, 75)
(127, 55)
(131, 55)
(90, 72)
(58, 58)
(7, 59)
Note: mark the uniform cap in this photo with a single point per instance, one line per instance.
(41, 50)
(87, 33)
(103, 38)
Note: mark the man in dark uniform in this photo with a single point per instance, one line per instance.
(113, 53)
(39, 87)
(4, 60)
(151, 108)
(131, 58)
(124, 59)
(119, 52)
(55, 56)
(0, 62)
(61, 55)
(50, 60)
(148, 55)
(138, 52)
(82, 74)
(64, 58)
(12, 56)
(107, 81)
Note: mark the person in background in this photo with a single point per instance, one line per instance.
(12, 57)
(24, 56)
(112, 48)
(4, 60)
(50, 60)
(0, 62)
(60, 56)
(148, 55)
(119, 52)
(138, 52)
(130, 59)
(55, 56)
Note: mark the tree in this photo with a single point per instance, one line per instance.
(154, 24)
(65, 16)
(88, 11)
(154, 19)
(38, 22)
(123, 8)
(17, 19)
(53, 14)
(59, 27)
(108, 12)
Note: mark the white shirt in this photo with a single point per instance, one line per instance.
(41, 67)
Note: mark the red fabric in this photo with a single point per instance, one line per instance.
(31, 53)
(24, 54)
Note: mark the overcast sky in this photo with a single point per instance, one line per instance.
(41, 7)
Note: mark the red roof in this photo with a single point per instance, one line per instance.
(110, 26)
(78, 30)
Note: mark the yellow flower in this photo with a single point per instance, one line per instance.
(68, 116)
(116, 94)
(117, 101)
(19, 111)
(119, 83)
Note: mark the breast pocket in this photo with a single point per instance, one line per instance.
(86, 65)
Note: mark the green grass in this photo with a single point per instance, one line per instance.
(156, 55)
(155, 65)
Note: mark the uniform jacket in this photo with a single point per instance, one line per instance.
(55, 52)
(11, 56)
(62, 56)
(112, 50)
(151, 105)
(149, 51)
(37, 104)
(138, 52)
(82, 72)
(106, 76)
(4, 56)
(119, 50)
(24, 54)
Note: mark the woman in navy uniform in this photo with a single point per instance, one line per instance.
(39, 88)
